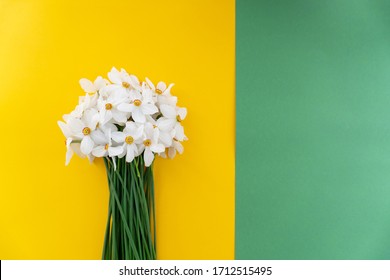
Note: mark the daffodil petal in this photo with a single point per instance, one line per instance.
(115, 151)
(99, 137)
(118, 136)
(165, 138)
(163, 154)
(69, 155)
(65, 129)
(167, 100)
(130, 127)
(171, 152)
(90, 158)
(168, 90)
(179, 147)
(138, 116)
(179, 132)
(86, 145)
(150, 84)
(114, 76)
(110, 89)
(76, 125)
(148, 157)
(76, 148)
(126, 107)
(141, 149)
(182, 112)
(165, 124)
(138, 133)
(99, 151)
(105, 116)
(129, 154)
(161, 86)
(149, 109)
(87, 85)
(168, 111)
(118, 116)
(149, 130)
(99, 83)
(158, 148)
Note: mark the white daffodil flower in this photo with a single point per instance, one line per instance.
(104, 146)
(165, 137)
(129, 138)
(88, 101)
(161, 93)
(65, 128)
(68, 134)
(108, 110)
(85, 102)
(150, 144)
(171, 150)
(122, 82)
(83, 129)
(139, 107)
(72, 145)
(93, 87)
(171, 120)
(100, 134)
(176, 146)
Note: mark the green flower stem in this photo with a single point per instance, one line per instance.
(130, 229)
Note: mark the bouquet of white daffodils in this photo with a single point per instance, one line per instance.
(127, 122)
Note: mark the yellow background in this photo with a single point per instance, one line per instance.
(49, 211)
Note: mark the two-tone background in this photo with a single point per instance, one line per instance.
(289, 126)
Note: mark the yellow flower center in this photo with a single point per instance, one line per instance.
(147, 142)
(129, 140)
(158, 91)
(108, 106)
(125, 85)
(137, 102)
(178, 118)
(154, 126)
(86, 131)
(106, 147)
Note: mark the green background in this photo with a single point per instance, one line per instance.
(313, 130)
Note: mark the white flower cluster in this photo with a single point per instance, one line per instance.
(124, 117)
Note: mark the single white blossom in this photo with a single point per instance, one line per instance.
(85, 103)
(122, 82)
(171, 120)
(161, 93)
(104, 146)
(93, 87)
(140, 106)
(176, 146)
(83, 129)
(129, 138)
(150, 144)
(165, 136)
(108, 109)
